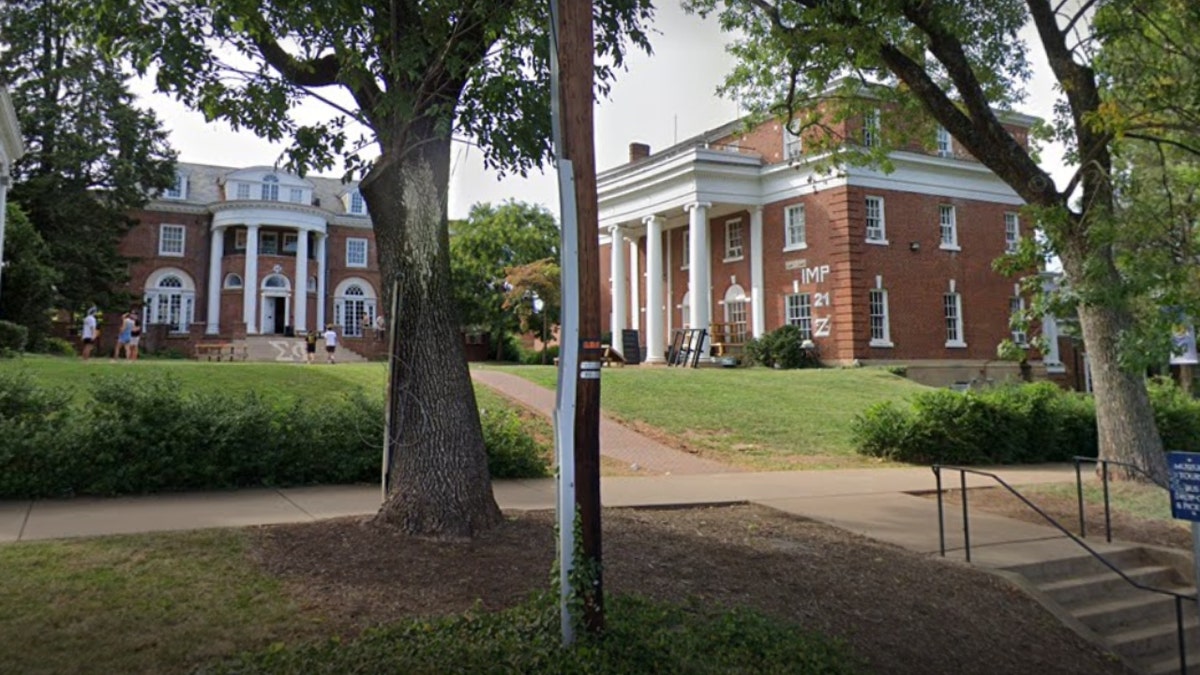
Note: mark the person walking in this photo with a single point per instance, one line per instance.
(310, 347)
(124, 336)
(330, 343)
(90, 333)
(135, 335)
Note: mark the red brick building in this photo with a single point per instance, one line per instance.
(874, 267)
(231, 252)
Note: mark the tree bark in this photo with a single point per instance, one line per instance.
(438, 480)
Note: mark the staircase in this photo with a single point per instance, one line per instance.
(1136, 624)
(278, 349)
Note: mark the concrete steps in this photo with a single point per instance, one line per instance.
(279, 349)
(1136, 624)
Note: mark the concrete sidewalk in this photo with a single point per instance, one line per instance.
(872, 502)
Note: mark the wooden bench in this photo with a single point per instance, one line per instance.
(220, 351)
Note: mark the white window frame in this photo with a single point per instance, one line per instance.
(163, 249)
(795, 228)
(1012, 232)
(948, 227)
(735, 248)
(1016, 305)
(355, 204)
(230, 281)
(877, 234)
(351, 243)
(793, 145)
(242, 190)
(273, 237)
(239, 239)
(945, 144)
(872, 124)
(880, 319)
(295, 242)
(797, 311)
(952, 313)
(179, 189)
(172, 304)
(686, 258)
(296, 195)
(270, 188)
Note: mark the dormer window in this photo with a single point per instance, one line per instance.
(792, 146)
(944, 144)
(243, 191)
(871, 128)
(270, 188)
(296, 195)
(355, 204)
(178, 190)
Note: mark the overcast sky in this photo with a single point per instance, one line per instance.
(664, 97)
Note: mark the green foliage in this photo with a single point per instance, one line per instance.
(535, 357)
(642, 636)
(512, 452)
(134, 433)
(56, 347)
(13, 338)
(92, 155)
(782, 348)
(1007, 425)
(29, 277)
(1177, 415)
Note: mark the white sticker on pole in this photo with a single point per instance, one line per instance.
(590, 365)
(589, 375)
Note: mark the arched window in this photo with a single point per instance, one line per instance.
(270, 188)
(233, 280)
(735, 314)
(276, 281)
(170, 299)
(354, 306)
(312, 285)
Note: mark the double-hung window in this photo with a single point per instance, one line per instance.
(949, 227)
(270, 189)
(799, 313)
(356, 252)
(944, 144)
(871, 126)
(795, 235)
(268, 243)
(792, 146)
(171, 240)
(1012, 232)
(1016, 308)
(881, 329)
(876, 227)
(243, 191)
(733, 240)
(357, 206)
(686, 258)
(952, 309)
(178, 190)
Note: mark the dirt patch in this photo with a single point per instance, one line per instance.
(1066, 511)
(901, 612)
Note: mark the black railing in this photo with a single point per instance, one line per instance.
(963, 471)
(1104, 481)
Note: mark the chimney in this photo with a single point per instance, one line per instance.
(638, 151)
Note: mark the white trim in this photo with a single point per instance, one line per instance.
(886, 340)
(881, 237)
(227, 283)
(11, 140)
(788, 244)
(741, 255)
(960, 325)
(366, 252)
(1014, 219)
(951, 226)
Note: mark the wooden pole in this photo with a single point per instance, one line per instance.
(576, 51)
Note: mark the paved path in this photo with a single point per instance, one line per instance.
(873, 502)
(616, 441)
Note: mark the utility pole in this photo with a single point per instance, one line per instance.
(573, 53)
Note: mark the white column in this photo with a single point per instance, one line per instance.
(320, 281)
(250, 283)
(655, 343)
(635, 304)
(300, 303)
(215, 253)
(699, 267)
(619, 292)
(4, 180)
(756, 272)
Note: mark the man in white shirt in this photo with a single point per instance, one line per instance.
(330, 342)
(89, 333)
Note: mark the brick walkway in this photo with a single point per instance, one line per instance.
(616, 441)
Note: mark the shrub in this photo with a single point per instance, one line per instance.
(12, 338)
(1011, 424)
(1177, 415)
(55, 346)
(533, 357)
(512, 451)
(781, 348)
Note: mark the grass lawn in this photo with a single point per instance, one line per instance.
(751, 417)
(1136, 499)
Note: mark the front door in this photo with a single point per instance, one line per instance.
(268, 318)
(280, 314)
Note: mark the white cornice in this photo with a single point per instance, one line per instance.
(260, 205)
(166, 206)
(10, 128)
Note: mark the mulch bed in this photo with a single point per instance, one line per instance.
(901, 612)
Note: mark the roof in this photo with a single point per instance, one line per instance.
(205, 182)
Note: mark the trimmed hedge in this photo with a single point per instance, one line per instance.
(781, 348)
(1008, 425)
(13, 338)
(139, 434)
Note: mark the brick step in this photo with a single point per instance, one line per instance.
(1108, 584)
(1155, 641)
(1111, 616)
(1059, 569)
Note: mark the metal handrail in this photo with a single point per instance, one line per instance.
(963, 471)
(1104, 481)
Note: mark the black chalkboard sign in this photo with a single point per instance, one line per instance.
(631, 347)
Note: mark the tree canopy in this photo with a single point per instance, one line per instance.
(92, 155)
(29, 277)
(961, 64)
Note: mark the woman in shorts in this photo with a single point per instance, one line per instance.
(310, 346)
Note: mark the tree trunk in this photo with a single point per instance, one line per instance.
(438, 480)
(1124, 418)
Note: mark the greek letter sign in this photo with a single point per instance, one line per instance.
(1184, 471)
